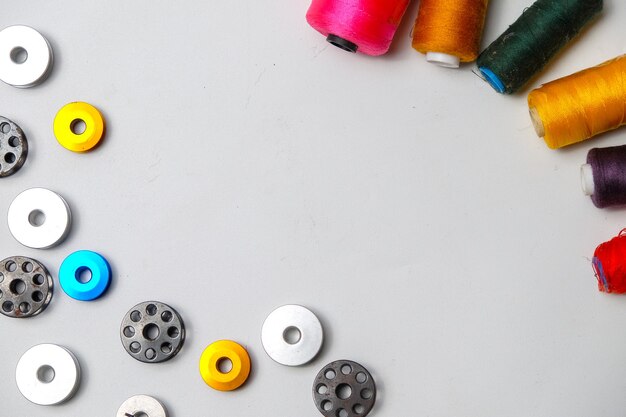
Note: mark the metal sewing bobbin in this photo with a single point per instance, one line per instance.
(344, 389)
(25, 287)
(142, 405)
(152, 332)
(26, 56)
(13, 147)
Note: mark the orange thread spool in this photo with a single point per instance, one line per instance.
(449, 31)
(580, 106)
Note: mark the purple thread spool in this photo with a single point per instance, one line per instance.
(604, 176)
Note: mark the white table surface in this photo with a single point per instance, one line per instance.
(249, 164)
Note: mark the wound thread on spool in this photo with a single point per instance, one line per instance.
(366, 26)
(604, 176)
(533, 40)
(580, 106)
(609, 264)
(449, 31)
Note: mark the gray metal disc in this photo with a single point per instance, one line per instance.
(152, 332)
(145, 404)
(13, 147)
(25, 287)
(344, 389)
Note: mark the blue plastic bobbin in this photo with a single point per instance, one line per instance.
(74, 265)
(492, 79)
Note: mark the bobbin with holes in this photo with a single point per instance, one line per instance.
(25, 287)
(39, 218)
(277, 339)
(211, 368)
(344, 389)
(26, 56)
(13, 147)
(48, 374)
(152, 332)
(139, 404)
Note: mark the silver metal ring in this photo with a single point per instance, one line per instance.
(39, 218)
(25, 287)
(142, 404)
(292, 335)
(26, 56)
(13, 147)
(47, 374)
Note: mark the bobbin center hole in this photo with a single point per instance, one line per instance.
(292, 335)
(36, 218)
(151, 331)
(83, 275)
(19, 55)
(224, 365)
(78, 126)
(45, 374)
(137, 414)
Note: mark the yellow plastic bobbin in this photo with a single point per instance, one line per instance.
(68, 120)
(212, 360)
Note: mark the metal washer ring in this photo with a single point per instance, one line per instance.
(74, 265)
(145, 404)
(34, 46)
(152, 332)
(25, 210)
(34, 366)
(344, 389)
(25, 287)
(285, 319)
(13, 147)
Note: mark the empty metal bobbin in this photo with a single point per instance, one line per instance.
(26, 56)
(152, 332)
(48, 374)
(142, 405)
(13, 147)
(25, 287)
(292, 335)
(344, 389)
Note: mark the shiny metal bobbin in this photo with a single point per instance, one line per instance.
(13, 147)
(344, 389)
(292, 335)
(152, 332)
(142, 405)
(39, 218)
(26, 56)
(48, 374)
(25, 287)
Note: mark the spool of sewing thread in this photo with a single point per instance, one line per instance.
(609, 264)
(367, 26)
(533, 40)
(449, 31)
(604, 176)
(580, 106)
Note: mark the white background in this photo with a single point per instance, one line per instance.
(249, 164)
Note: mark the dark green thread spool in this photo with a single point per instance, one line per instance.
(533, 40)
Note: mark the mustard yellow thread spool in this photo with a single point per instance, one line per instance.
(68, 120)
(215, 355)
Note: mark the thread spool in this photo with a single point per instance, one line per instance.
(366, 26)
(603, 177)
(609, 264)
(449, 31)
(580, 106)
(533, 40)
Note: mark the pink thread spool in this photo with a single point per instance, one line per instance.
(364, 25)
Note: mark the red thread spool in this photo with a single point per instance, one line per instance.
(364, 25)
(609, 264)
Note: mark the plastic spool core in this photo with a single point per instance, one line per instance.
(586, 177)
(537, 122)
(443, 60)
(342, 43)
